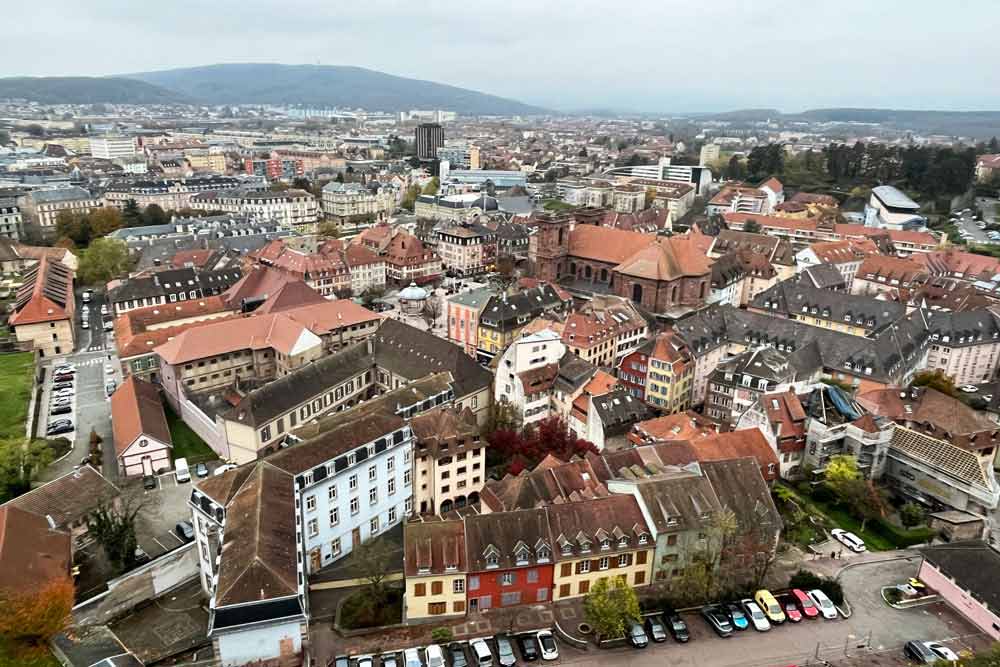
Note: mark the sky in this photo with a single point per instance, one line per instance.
(640, 55)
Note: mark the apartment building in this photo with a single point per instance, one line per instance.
(43, 317)
(509, 559)
(435, 568)
(460, 155)
(628, 198)
(407, 258)
(11, 219)
(274, 168)
(173, 194)
(463, 310)
(449, 460)
(168, 287)
(325, 271)
(849, 313)
(110, 147)
(737, 384)
(504, 316)
(526, 373)
(355, 205)
(965, 346)
(677, 198)
(295, 209)
(660, 372)
(604, 330)
(739, 199)
(467, 249)
(42, 207)
(879, 273)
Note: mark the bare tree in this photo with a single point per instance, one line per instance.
(505, 275)
(432, 311)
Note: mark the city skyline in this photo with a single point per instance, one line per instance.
(706, 58)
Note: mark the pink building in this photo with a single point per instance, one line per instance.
(463, 318)
(966, 576)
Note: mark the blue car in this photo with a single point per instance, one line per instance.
(737, 616)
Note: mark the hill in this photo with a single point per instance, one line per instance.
(325, 85)
(85, 90)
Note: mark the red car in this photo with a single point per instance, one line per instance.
(792, 612)
(804, 603)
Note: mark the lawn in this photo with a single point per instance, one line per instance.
(10, 656)
(187, 443)
(15, 386)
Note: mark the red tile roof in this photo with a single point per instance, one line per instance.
(136, 409)
(667, 259)
(46, 295)
(31, 553)
(611, 246)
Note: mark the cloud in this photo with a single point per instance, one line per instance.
(644, 55)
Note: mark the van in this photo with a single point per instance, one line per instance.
(481, 652)
(181, 471)
(769, 605)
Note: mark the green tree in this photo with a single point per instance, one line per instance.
(369, 295)
(610, 605)
(374, 559)
(432, 186)
(841, 473)
(410, 197)
(155, 215)
(442, 635)
(102, 261)
(865, 500)
(911, 514)
(104, 220)
(20, 463)
(132, 214)
(935, 379)
(328, 230)
(73, 226)
(114, 529)
(752, 226)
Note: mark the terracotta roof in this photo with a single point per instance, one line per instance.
(611, 246)
(437, 427)
(814, 198)
(136, 409)
(31, 553)
(681, 426)
(292, 294)
(787, 419)
(551, 481)
(141, 330)
(258, 282)
(891, 268)
(601, 319)
(848, 250)
(989, 161)
(195, 257)
(581, 526)
(433, 547)
(667, 259)
(773, 184)
(67, 499)
(738, 444)
(538, 379)
(46, 295)
(939, 414)
(962, 264)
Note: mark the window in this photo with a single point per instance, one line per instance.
(583, 567)
(372, 496)
(532, 577)
(390, 463)
(409, 505)
(373, 525)
(458, 585)
(584, 587)
(436, 588)
(492, 561)
(372, 473)
(603, 563)
(335, 547)
(406, 478)
(354, 506)
(511, 598)
(507, 579)
(332, 493)
(474, 583)
(352, 482)
(640, 558)
(313, 526)
(392, 486)
(623, 560)
(643, 539)
(671, 540)
(265, 433)
(392, 515)
(334, 516)
(419, 590)
(542, 595)
(310, 503)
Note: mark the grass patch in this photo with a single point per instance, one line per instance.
(187, 443)
(357, 611)
(15, 386)
(13, 654)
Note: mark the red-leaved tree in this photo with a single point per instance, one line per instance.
(35, 616)
(525, 449)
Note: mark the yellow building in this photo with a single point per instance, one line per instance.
(435, 567)
(594, 539)
(670, 374)
(42, 320)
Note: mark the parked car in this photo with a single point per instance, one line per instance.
(57, 429)
(528, 646)
(141, 557)
(110, 387)
(457, 655)
(823, 603)
(61, 403)
(389, 660)
(791, 609)
(676, 625)
(736, 616)
(655, 629)
(65, 377)
(65, 384)
(87, 295)
(849, 540)
(181, 471)
(717, 620)
(411, 658)
(109, 325)
(480, 651)
(433, 656)
(919, 653)
(942, 651)
(769, 606)
(224, 468)
(201, 470)
(185, 530)
(60, 393)
(60, 410)
(110, 370)
(364, 661)
(84, 324)
(547, 642)
(148, 482)
(756, 616)
(637, 636)
(804, 603)
(968, 388)
(505, 651)
(104, 309)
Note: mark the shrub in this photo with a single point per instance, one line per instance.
(441, 635)
(901, 537)
(912, 514)
(805, 580)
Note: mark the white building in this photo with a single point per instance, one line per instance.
(888, 208)
(109, 147)
(526, 373)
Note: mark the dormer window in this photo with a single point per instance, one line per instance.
(605, 544)
(492, 561)
(567, 550)
(584, 547)
(521, 556)
(643, 539)
(544, 555)
(623, 541)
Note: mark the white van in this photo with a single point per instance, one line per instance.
(481, 651)
(181, 471)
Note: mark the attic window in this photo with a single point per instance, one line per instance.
(623, 541)
(567, 549)
(643, 539)
(605, 544)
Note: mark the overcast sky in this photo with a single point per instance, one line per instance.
(644, 55)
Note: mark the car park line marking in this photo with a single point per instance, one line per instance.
(162, 546)
(177, 537)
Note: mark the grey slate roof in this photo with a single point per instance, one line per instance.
(973, 565)
(964, 328)
(618, 410)
(60, 194)
(822, 276)
(792, 299)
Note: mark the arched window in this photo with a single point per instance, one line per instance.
(637, 293)
(604, 275)
(446, 506)
(561, 235)
(701, 291)
(673, 294)
(587, 272)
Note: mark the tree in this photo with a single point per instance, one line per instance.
(155, 215)
(807, 581)
(278, 186)
(300, 183)
(19, 465)
(841, 472)
(505, 273)
(36, 616)
(410, 197)
(35, 130)
(132, 214)
(432, 186)
(935, 379)
(374, 559)
(442, 635)
(114, 529)
(610, 605)
(104, 220)
(865, 500)
(369, 295)
(328, 230)
(73, 226)
(752, 226)
(911, 514)
(103, 260)
(432, 311)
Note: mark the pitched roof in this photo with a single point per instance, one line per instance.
(46, 295)
(504, 531)
(67, 499)
(136, 409)
(738, 444)
(551, 481)
(939, 414)
(433, 547)
(973, 565)
(680, 426)
(31, 553)
(744, 493)
(668, 259)
(611, 246)
(589, 521)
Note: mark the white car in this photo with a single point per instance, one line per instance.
(104, 309)
(757, 617)
(942, 651)
(433, 656)
(110, 370)
(823, 603)
(849, 540)
(364, 661)
(411, 658)
(547, 645)
(63, 393)
(968, 388)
